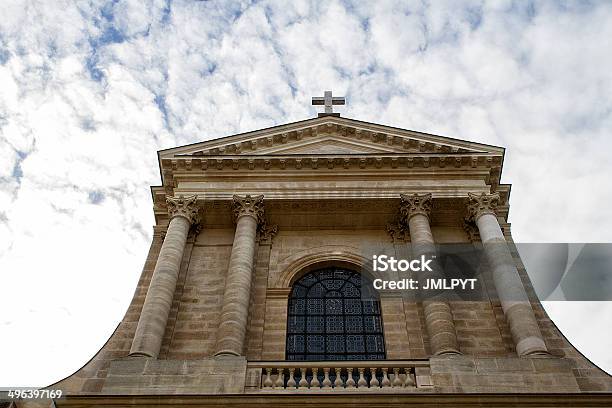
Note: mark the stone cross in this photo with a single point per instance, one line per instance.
(328, 101)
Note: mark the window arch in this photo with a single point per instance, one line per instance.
(328, 320)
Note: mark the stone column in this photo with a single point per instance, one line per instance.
(415, 210)
(154, 315)
(514, 301)
(249, 212)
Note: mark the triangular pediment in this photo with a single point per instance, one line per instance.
(329, 144)
(327, 136)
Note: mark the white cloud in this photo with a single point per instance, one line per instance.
(91, 91)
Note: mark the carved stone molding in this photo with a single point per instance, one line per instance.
(278, 293)
(410, 205)
(195, 229)
(415, 204)
(479, 205)
(160, 231)
(398, 231)
(471, 230)
(183, 207)
(248, 205)
(265, 232)
(313, 162)
(254, 207)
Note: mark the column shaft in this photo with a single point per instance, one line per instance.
(514, 300)
(515, 303)
(438, 316)
(234, 313)
(152, 323)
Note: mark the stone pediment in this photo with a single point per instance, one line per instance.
(329, 136)
(329, 144)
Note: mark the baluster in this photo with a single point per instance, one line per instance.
(409, 378)
(303, 381)
(326, 381)
(350, 383)
(362, 381)
(314, 383)
(385, 379)
(291, 381)
(338, 381)
(268, 380)
(279, 383)
(374, 383)
(397, 381)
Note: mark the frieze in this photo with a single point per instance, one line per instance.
(352, 204)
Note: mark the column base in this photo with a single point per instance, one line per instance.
(226, 353)
(450, 352)
(536, 354)
(530, 346)
(139, 354)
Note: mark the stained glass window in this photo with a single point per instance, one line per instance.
(328, 320)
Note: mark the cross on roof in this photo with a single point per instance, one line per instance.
(328, 101)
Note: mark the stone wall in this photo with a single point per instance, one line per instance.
(194, 333)
(479, 331)
(199, 376)
(503, 374)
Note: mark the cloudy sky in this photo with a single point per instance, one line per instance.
(89, 91)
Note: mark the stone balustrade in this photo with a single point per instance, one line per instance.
(341, 375)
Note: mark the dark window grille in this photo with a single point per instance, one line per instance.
(328, 320)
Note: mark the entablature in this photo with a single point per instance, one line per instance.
(328, 213)
(482, 166)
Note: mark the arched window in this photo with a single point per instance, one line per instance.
(328, 320)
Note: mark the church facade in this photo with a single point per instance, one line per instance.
(250, 293)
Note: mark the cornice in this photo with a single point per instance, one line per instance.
(357, 160)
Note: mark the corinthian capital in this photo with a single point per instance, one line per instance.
(183, 207)
(247, 205)
(415, 204)
(479, 205)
